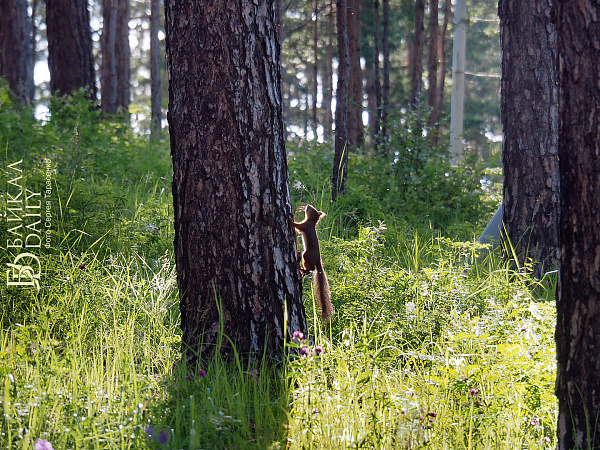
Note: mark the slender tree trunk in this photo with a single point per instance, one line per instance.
(376, 117)
(416, 78)
(155, 81)
(115, 69)
(458, 80)
(437, 112)
(432, 61)
(340, 162)
(16, 50)
(328, 84)
(70, 55)
(315, 123)
(530, 122)
(386, 71)
(355, 125)
(578, 296)
(235, 249)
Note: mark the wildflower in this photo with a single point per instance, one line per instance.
(189, 378)
(163, 437)
(125, 181)
(432, 414)
(535, 421)
(410, 393)
(42, 444)
(303, 351)
(473, 392)
(318, 350)
(255, 375)
(201, 373)
(298, 335)
(149, 431)
(410, 307)
(81, 266)
(315, 411)
(546, 440)
(524, 329)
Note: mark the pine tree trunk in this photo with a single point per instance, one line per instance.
(432, 61)
(437, 112)
(375, 120)
(234, 247)
(355, 125)
(315, 86)
(16, 59)
(70, 56)
(386, 71)
(115, 69)
(328, 84)
(340, 161)
(578, 314)
(416, 78)
(155, 81)
(530, 123)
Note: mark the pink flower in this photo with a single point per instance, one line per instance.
(42, 444)
(201, 373)
(318, 350)
(474, 392)
(303, 351)
(535, 421)
(298, 335)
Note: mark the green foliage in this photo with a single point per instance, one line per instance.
(432, 345)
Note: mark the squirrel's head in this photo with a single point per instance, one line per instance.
(313, 214)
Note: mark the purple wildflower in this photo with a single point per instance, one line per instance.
(473, 392)
(318, 350)
(303, 351)
(163, 437)
(42, 444)
(201, 373)
(298, 335)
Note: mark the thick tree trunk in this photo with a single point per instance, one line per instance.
(16, 59)
(530, 122)
(355, 125)
(340, 161)
(235, 249)
(416, 76)
(578, 312)
(115, 67)
(70, 56)
(432, 60)
(155, 82)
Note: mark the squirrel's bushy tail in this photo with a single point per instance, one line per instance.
(322, 293)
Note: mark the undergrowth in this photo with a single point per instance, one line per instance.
(433, 345)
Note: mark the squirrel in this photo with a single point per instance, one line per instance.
(311, 259)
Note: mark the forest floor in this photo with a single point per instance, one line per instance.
(434, 345)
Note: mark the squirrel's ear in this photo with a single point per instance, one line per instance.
(321, 214)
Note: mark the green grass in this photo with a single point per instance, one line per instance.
(426, 350)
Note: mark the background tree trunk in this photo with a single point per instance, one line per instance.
(16, 59)
(386, 70)
(155, 81)
(578, 314)
(315, 86)
(355, 125)
(70, 56)
(457, 102)
(530, 121)
(375, 120)
(432, 61)
(233, 241)
(328, 84)
(115, 69)
(417, 65)
(441, 79)
(340, 161)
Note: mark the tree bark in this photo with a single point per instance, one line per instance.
(315, 86)
(340, 161)
(115, 69)
(375, 120)
(457, 102)
(355, 125)
(155, 80)
(416, 78)
(70, 55)
(16, 50)
(328, 83)
(432, 60)
(235, 248)
(386, 71)
(578, 296)
(437, 112)
(530, 121)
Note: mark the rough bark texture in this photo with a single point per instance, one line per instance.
(340, 161)
(432, 59)
(441, 79)
(115, 69)
(355, 125)
(530, 123)
(70, 56)
(235, 248)
(155, 81)
(16, 61)
(578, 299)
(416, 76)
